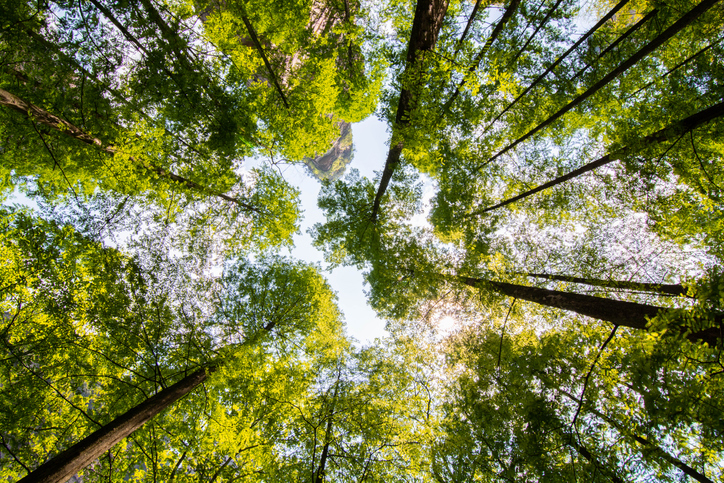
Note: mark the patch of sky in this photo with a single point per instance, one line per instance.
(370, 151)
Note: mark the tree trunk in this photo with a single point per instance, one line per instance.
(627, 314)
(535, 32)
(660, 288)
(39, 115)
(618, 312)
(66, 464)
(467, 27)
(679, 25)
(667, 134)
(560, 59)
(257, 44)
(319, 474)
(623, 37)
(426, 25)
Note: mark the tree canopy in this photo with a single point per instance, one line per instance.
(544, 241)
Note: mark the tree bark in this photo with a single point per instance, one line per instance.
(39, 115)
(627, 314)
(618, 312)
(426, 25)
(661, 288)
(667, 134)
(66, 464)
(679, 25)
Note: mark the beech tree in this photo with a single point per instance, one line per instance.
(544, 239)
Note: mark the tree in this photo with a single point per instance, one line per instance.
(508, 413)
(129, 124)
(66, 464)
(426, 25)
(274, 308)
(211, 113)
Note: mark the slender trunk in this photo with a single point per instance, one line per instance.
(479, 58)
(618, 312)
(560, 59)
(623, 37)
(259, 48)
(66, 464)
(467, 27)
(679, 25)
(535, 32)
(667, 134)
(426, 25)
(628, 314)
(131, 38)
(41, 116)
(319, 474)
(673, 69)
(583, 451)
(660, 288)
(658, 450)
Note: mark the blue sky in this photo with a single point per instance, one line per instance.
(370, 152)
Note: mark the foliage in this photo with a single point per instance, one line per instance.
(565, 170)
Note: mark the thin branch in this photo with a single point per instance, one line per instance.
(590, 371)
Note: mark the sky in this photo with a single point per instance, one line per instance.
(370, 151)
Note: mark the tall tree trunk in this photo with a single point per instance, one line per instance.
(623, 37)
(560, 59)
(426, 25)
(679, 25)
(467, 27)
(260, 49)
(669, 133)
(618, 312)
(66, 464)
(41, 116)
(660, 288)
(479, 58)
(673, 69)
(535, 32)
